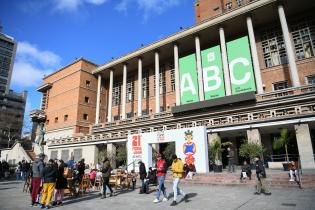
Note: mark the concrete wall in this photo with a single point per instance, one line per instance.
(14, 154)
(89, 153)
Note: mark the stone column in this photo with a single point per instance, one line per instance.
(289, 48)
(176, 66)
(304, 142)
(124, 90)
(253, 136)
(111, 154)
(253, 48)
(199, 69)
(110, 95)
(139, 87)
(98, 96)
(226, 72)
(157, 83)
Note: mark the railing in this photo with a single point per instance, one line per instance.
(283, 158)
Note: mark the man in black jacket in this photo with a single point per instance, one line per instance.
(49, 175)
(261, 178)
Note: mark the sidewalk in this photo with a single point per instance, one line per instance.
(200, 198)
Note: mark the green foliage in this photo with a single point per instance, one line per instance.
(169, 151)
(121, 154)
(251, 150)
(102, 153)
(215, 149)
(282, 141)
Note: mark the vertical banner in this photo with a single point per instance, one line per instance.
(188, 79)
(213, 82)
(240, 65)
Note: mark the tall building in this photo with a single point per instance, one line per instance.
(69, 97)
(244, 71)
(7, 55)
(12, 104)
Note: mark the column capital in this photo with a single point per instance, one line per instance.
(175, 43)
(125, 63)
(140, 58)
(157, 51)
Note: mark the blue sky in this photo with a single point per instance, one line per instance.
(52, 33)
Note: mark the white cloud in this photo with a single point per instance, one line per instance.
(73, 5)
(32, 64)
(148, 7)
(27, 51)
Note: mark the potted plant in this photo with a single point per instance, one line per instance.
(250, 150)
(215, 156)
(281, 142)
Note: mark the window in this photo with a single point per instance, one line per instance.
(172, 77)
(65, 118)
(56, 119)
(162, 109)
(145, 84)
(116, 93)
(77, 154)
(162, 80)
(47, 122)
(86, 99)
(130, 89)
(280, 85)
(87, 83)
(54, 154)
(303, 34)
(311, 80)
(239, 2)
(145, 112)
(65, 155)
(129, 114)
(228, 5)
(85, 116)
(116, 117)
(273, 47)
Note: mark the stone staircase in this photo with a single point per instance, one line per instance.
(276, 179)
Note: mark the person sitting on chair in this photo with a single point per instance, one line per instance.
(246, 171)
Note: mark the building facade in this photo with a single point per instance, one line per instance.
(68, 100)
(12, 104)
(244, 72)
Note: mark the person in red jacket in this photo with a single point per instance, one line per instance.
(161, 166)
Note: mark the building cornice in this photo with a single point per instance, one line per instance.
(184, 33)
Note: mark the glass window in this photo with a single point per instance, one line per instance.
(116, 93)
(280, 85)
(162, 80)
(273, 47)
(311, 80)
(145, 84)
(172, 77)
(88, 83)
(65, 118)
(56, 119)
(302, 32)
(86, 99)
(85, 116)
(130, 89)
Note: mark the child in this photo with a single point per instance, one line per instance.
(133, 179)
(92, 176)
(49, 176)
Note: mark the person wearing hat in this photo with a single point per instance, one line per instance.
(177, 168)
(37, 170)
(161, 166)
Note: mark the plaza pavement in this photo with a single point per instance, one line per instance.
(201, 197)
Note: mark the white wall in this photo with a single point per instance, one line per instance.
(15, 154)
(57, 134)
(89, 153)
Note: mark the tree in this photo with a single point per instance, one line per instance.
(283, 140)
(121, 154)
(169, 151)
(215, 149)
(251, 150)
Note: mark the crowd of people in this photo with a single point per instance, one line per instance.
(49, 180)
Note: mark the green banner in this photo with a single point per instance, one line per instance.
(213, 81)
(240, 65)
(188, 79)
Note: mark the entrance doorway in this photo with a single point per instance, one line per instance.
(167, 149)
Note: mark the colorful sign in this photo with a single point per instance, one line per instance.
(190, 145)
(188, 79)
(240, 66)
(213, 81)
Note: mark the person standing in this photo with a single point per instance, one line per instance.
(177, 168)
(61, 183)
(261, 177)
(143, 175)
(161, 173)
(18, 171)
(37, 171)
(230, 157)
(106, 172)
(50, 174)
